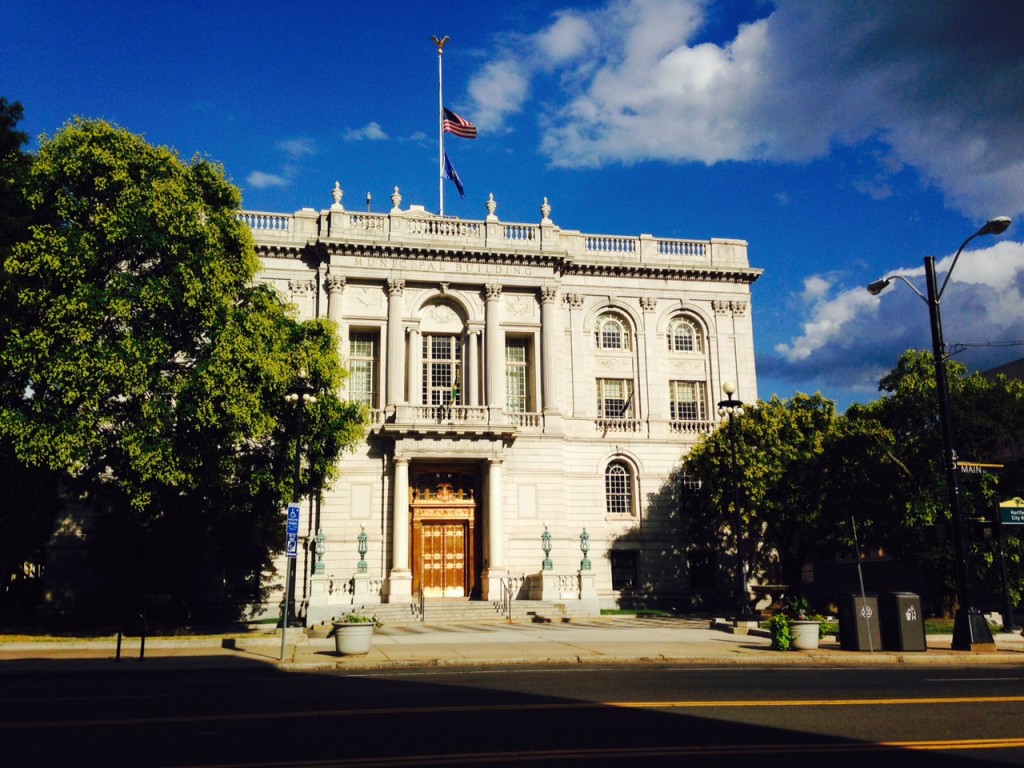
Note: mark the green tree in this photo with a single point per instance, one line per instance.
(987, 417)
(145, 364)
(800, 473)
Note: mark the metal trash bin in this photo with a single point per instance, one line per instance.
(902, 622)
(859, 629)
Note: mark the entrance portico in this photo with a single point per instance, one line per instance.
(447, 516)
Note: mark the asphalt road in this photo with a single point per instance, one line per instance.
(520, 715)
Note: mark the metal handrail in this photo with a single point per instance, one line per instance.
(423, 606)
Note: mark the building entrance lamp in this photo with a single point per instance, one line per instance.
(733, 408)
(970, 629)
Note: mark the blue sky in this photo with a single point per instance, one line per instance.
(844, 140)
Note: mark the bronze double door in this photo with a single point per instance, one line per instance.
(443, 536)
(443, 565)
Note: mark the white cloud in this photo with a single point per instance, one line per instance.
(815, 288)
(853, 334)
(301, 147)
(261, 180)
(937, 84)
(369, 132)
(829, 324)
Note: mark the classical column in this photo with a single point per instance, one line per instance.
(550, 336)
(335, 287)
(400, 581)
(473, 388)
(413, 374)
(581, 343)
(396, 343)
(495, 536)
(495, 351)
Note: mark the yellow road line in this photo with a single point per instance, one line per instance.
(380, 711)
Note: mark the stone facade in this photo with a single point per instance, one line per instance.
(522, 379)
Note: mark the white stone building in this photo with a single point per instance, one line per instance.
(522, 378)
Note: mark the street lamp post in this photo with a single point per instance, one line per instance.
(300, 394)
(970, 630)
(732, 408)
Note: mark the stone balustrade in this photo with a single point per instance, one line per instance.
(417, 227)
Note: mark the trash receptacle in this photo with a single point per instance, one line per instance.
(902, 622)
(858, 623)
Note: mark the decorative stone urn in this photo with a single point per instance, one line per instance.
(353, 639)
(804, 634)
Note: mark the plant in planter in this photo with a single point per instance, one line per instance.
(353, 633)
(797, 627)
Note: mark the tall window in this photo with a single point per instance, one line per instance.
(618, 489)
(362, 362)
(684, 336)
(442, 370)
(517, 374)
(615, 398)
(612, 332)
(687, 401)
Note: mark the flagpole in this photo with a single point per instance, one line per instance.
(440, 123)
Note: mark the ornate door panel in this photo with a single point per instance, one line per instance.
(443, 565)
(442, 542)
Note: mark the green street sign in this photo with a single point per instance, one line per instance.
(1012, 512)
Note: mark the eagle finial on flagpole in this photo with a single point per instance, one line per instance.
(440, 43)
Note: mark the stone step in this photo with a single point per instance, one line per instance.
(443, 612)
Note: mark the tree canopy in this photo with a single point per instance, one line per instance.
(804, 472)
(143, 362)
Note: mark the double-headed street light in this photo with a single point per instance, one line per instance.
(732, 408)
(970, 630)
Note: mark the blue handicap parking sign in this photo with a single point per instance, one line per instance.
(291, 546)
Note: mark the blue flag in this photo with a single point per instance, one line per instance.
(449, 172)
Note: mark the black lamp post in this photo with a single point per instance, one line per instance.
(300, 394)
(732, 408)
(970, 630)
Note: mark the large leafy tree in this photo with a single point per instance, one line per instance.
(28, 497)
(987, 417)
(800, 474)
(144, 363)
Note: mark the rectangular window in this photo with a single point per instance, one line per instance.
(615, 398)
(362, 362)
(688, 401)
(442, 370)
(517, 375)
(625, 569)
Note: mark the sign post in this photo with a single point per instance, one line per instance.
(1011, 512)
(291, 549)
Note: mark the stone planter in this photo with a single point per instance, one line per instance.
(805, 634)
(353, 639)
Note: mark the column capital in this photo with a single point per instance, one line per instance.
(548, 294)
(493, 291)
(396, 286)
(334, 283)
(574, 300)
(301, 287)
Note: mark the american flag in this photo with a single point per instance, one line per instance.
(457, 125)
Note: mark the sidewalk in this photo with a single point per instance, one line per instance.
(599, 641)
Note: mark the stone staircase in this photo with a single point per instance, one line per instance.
(461, 611)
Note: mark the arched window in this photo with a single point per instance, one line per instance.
(612, 332)
(684, 336)
(618, 489)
